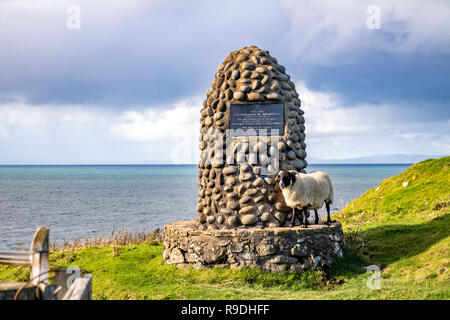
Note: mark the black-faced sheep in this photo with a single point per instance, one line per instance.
(303, 192)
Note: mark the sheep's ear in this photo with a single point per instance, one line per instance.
(292, 176)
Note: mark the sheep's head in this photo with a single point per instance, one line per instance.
(285, 179)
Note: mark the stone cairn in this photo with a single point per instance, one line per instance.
(242, 195)
(242, 219)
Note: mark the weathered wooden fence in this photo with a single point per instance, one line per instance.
(79, 288)
(36, 258)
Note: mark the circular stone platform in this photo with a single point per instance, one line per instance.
(272, 249)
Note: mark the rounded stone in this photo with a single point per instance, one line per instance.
(275, 85)
(300, 154)
(255, 76)
(281, 217)
(230, 181)
(253, 158)
(260, 147)
(248, 66)
(255, 96)
(291, 155)
(220, 219)
(274, 96)
(232, 196)
(222, 107)
(249, 219)
(245, 176)
(252, 192)
(272, 198)
(218, 116)
(280, 206)
(245, 199)
(259, 199)
(264, 158)
(258, 182)
(228, 94)
(266, 217)
(246, 74)
(290, 144)
(225, 211)
(240, 158)
(232, 221)
(232, 205)
(228, 188)
(237, 95)
(261, 70)
(218, 163)
(201, 218)
(299, 164)
(230, 171)
(241, 189)
(235, 75)
(274, 224)
(247, 210)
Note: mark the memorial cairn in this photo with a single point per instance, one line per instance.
(252, 126)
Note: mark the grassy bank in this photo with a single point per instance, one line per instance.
(403, 228)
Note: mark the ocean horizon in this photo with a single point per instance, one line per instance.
(85, 200)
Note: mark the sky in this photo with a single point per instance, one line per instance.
(103, 82)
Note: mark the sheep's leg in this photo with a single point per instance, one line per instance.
(329, 221)
(293, 217)
(305, 218)
(316, 217)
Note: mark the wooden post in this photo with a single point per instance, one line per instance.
(39, 256)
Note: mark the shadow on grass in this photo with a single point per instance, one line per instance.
(388, 243)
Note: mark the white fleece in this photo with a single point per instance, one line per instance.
(309, 190)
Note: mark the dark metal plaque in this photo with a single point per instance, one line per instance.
(246, 119)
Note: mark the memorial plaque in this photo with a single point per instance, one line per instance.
(254, 117)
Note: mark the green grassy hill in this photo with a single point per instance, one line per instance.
(402, 226)
(404, 223)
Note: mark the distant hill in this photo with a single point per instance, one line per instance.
(383, 158)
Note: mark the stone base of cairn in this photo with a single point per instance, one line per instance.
(280, 249)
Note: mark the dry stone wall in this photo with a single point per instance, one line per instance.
(276, 249)
(236, 173)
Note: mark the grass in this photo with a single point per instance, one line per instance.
(404, 230)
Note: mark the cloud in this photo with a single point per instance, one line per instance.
(46, 134)
(333, 33)
(150, 134)
(119, 89)
(336, 130)
(138, 53)
(155, 124)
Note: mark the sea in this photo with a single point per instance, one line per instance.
(78, 201)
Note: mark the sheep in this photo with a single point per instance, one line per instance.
(303, 192)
